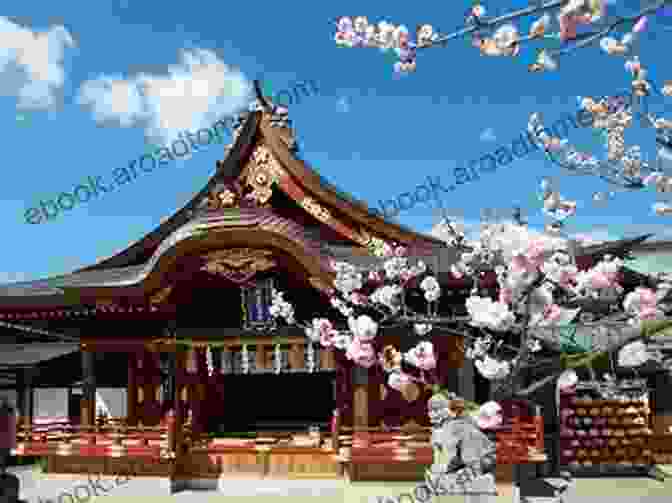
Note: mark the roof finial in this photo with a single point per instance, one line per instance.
(260, 97)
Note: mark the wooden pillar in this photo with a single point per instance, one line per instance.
(132, 391)
(179, 409)
(360, 387)
(88, 387)
(24, 381)
(296, 356)
(260, 356)
(327, 360)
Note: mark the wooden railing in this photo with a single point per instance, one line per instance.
(115, 439)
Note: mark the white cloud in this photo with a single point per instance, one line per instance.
(488, 135)
(31, 64)
(191, 95)
(13, 277)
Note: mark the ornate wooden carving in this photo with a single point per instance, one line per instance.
(226, 198)
(312, 207)
(239, 264)
(262, 173)
(161, 295)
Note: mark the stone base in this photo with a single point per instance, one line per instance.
(9, 488)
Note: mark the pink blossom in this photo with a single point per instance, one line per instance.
(599, 280)
(400, 251)
(648, 313)
(520, 263)
(569, 24)
(506, 295)
(361, 353)
(327, 339)
(374, 276)
(552, 312)
(456, 272)
(405, 275)
(358, 299)
(535, 252)
(567, 278)
(647, 297)
(425, 357)
(388, 251)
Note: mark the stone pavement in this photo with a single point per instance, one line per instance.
(36, 486)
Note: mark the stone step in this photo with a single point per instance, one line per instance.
(266, 487)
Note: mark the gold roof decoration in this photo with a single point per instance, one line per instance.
(239, 264)
(263, 172)
(161, 295)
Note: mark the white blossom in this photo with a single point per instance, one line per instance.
(422, 329)
(492, 369)
(363, 327)
(486, 313)
(634, 354)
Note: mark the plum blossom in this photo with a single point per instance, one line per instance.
(533, 345)
(348, 278)
(543, 312)
(490, 416)
(479, 347)
(389, 296)
(506, 295)
(394, 267)
(422, 328)
(567, 381)
(634, 354)
(431, 288)
(321, 330)
(539, 27)
(281, 308)
(492, 369)
(341, 306)
(422, 356)
(363, 328)
(642, 304)
(485, 312)
(362, 353)
(603, 276)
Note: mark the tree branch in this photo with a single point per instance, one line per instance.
(528, 11)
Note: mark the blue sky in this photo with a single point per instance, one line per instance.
(89, 86)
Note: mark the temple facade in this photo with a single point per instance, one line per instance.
(172, 337)
(164, 357)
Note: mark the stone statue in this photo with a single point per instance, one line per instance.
(464, 457)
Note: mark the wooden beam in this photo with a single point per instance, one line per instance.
(132, 391)
(88, 403)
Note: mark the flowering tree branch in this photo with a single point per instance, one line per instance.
(623, 167)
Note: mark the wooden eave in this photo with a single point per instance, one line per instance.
(306, 182)
(133, 287)
(230, 166)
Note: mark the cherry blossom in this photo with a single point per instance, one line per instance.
(642, 304)
(633, 355)
(422, 356)
(364, 328)
(490, 416)
(501, 37)
(361, 353)
(487, 313)
(567, 381)
(492, 369)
